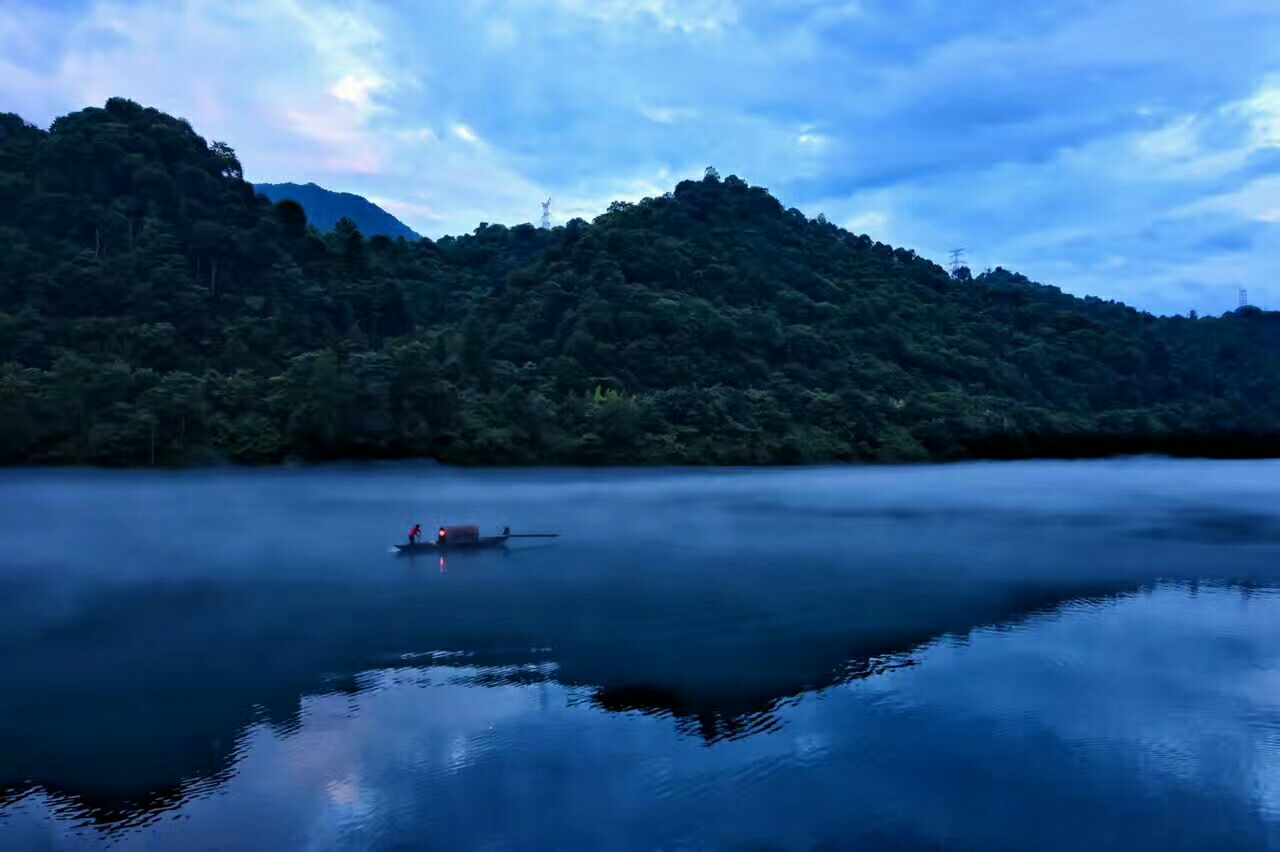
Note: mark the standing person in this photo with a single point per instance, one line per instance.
(415, 533)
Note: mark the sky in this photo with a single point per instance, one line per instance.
(1128, 149)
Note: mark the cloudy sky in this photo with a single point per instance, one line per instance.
(1124, 148)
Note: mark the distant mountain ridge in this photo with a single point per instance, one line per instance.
(325, 207)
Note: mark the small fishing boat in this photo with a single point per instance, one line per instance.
(464, 537)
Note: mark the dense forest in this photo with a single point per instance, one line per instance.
(155, 309)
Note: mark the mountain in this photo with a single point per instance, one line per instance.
(155, 309)
(325, 207)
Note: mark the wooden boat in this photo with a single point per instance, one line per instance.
(482, 543)
(451, 539)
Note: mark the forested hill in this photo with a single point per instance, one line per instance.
(325, 207)
(155, 310)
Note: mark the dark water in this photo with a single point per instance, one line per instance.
(1047, 655)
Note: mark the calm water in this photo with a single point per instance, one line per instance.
(1047, 655)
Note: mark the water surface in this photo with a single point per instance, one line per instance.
(985, 656)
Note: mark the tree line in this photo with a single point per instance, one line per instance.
(155, 309)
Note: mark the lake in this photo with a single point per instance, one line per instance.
(1016, 655)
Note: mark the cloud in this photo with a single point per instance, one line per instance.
(1178, 139)
(419, 134)
(864, 222)
(685, 16)
(407, 210)
(812, 141)
(1263, 112)
(358, 90)
(501, 34)
(1256, 201)
(667, 114)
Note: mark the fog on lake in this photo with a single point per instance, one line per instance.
(1041, 654)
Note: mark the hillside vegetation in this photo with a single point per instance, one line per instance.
(155, 310)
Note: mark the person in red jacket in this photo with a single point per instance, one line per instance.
(415, 533)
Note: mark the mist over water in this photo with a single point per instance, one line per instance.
(1044, 654)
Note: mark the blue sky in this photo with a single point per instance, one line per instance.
(1127, 149)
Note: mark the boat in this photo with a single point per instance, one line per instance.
(482, 543)
(461, 537)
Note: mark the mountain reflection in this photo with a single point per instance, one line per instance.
(137, 660)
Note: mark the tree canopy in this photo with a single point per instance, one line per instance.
(154, 309)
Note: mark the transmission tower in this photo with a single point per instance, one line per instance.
(546, 215)
(957, 259)
(1244, 298)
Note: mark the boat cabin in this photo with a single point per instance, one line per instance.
(458, 534)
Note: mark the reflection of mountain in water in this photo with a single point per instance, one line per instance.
(177, 711)
(715, 722)
(128, 684)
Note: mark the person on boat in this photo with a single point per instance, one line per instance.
(415, 533)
